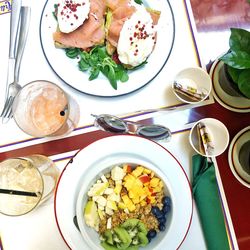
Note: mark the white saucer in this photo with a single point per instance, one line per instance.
(233, 156)
(219, 134)
(233, 103)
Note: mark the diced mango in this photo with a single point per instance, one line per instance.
(132, 194)
(142, 197)
(146, 171)
(157, 189)
(138, 171)
(140, 191)
(129, 181)
(143, 203)
(136, 200)
(154, 182)
(128, 202)
(127, 168)
(161, 184)
(150, 200)
(121, 205)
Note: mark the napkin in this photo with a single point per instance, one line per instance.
(206, 196)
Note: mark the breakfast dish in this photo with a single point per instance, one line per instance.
(233, 103)
(127, 206)
(112, 41)
(96, 160)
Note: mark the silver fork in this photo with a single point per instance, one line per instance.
(14, 87)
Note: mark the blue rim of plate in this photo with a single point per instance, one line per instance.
(107, 96)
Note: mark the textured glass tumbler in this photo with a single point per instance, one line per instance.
(25, 183)
(42, 108)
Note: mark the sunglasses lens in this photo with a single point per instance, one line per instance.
(156, 132)
(111, 124)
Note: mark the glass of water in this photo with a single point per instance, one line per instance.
(25, 183)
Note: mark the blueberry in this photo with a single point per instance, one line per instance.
(156, 212)
(161, 227)
(166, 200)
(151, 234)
(165, 209)
(162, 220)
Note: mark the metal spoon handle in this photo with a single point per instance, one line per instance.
(14, 21)
(23, 33)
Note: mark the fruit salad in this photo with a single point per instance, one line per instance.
(127, 207)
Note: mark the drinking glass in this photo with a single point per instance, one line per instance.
(25, 183)
(42, 108)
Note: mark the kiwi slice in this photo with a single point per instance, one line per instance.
(133, 226)
(108, 236)
(132, 248)
(107, 246)
(121, 237)
(142, 228)
(140, 240)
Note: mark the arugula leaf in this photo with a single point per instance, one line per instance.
(94, 73)
(239, 40)
(83, 65)
(238, 60)
(244, 82)
(97, 60)
(72, 52)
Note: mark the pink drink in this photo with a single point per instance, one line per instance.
(47, 109)
(44, 109)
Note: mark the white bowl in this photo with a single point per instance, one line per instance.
(98, 158)
(198, 78)
(104, 166)
(219, 134)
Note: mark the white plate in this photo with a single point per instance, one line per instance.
(218, 132)
(233, 103)
(67, 69)
(135, 147)
(233, 156)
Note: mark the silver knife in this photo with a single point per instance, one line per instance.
(14, 23)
